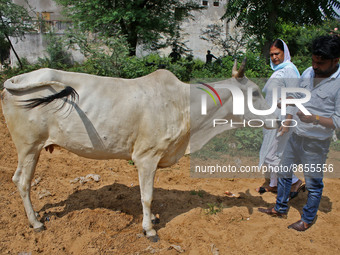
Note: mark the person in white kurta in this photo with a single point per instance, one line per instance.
(274, 140)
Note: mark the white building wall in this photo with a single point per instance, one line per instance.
(211, 15)
(31, 47)
(34, 45)
(35, 6)
(192, 31)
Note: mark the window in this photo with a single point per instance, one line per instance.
(205, 2)
(216, 3)
(44, 15)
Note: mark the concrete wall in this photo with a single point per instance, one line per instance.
(211, 15)
(33, 46)
(192, 30)
(41, 6)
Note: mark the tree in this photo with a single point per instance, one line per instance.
(262, 19)
(4, 49)
(299, 38)
(232, 43)
(105, 56)
(14, 22)
(140, 21)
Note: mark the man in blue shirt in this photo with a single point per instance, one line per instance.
(309, 143)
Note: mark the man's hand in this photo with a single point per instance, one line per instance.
(305, 118)
(323, 121)
(283, 130)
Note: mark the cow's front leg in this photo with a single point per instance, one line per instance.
(22, 179)
(146, 173)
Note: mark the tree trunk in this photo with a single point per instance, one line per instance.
(265, 50)
(132, 47)
(131, 36)
(15, 53)
(270, 36)
(132, 39)
(10, 43)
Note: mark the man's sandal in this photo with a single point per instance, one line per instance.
(294, 194)
(262, 190)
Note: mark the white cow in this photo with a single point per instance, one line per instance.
(145, 119)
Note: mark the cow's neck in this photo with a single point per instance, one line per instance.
(201, 126)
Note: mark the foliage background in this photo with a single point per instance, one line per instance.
(265, 20)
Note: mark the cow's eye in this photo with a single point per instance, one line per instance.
(256, 93)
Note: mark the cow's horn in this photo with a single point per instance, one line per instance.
(234, 72)
(240, 73)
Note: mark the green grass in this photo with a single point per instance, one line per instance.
(214, 208)
(199, 193)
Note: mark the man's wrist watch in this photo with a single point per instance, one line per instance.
(317, 120)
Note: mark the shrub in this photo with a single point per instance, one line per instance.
(57, 55)
(249, 139)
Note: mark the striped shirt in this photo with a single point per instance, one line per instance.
(325, 102)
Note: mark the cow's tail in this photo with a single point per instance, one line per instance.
(67, 93)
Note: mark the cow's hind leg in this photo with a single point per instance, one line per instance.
(146, 172)
(27, 161)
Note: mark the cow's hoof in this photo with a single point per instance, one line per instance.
(155, 221)
(154, 238)
(39, 229)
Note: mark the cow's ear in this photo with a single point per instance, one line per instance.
(239, 73)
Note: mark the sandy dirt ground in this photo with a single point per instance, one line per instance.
(104, 217)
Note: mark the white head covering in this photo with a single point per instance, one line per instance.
(286, 60)
(286, 56)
